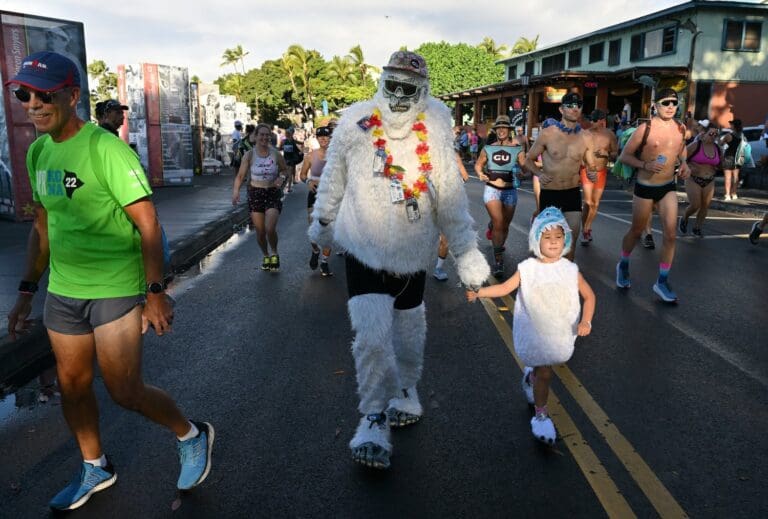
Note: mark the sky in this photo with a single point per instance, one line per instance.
(195, 33)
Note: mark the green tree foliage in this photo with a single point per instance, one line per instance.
(455, 67)
(489, 46)
(358, 62)
(523, 45)
(106, 82)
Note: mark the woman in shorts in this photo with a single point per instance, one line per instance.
(312, 169)
(267, 171)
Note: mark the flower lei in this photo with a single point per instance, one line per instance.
(422, 152)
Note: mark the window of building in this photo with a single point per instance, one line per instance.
(614, 53)
(512, 72)
(742, 35)
(653, 43)
(574, 58)
(596, 51)
(529, 67)
(552, 64)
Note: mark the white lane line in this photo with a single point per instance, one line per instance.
(734, 358)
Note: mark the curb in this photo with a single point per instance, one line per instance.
(731, 207)
(31, 348)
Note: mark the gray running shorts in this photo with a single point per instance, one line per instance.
(71, 316)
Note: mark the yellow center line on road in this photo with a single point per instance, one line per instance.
(604, 487)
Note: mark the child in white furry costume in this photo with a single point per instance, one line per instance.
(546, 318)
(390, 186)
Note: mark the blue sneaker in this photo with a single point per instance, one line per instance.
(622, 276)
(195, 456)
(90, 480)
(665, 292)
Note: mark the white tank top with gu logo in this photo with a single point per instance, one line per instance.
(263, 169)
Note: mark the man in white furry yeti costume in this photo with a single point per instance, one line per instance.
(390, 186)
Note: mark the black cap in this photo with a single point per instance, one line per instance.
(597, 115)
(665, 93)
(572, 98)
(103, 107)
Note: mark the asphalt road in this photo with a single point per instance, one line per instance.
(662, 411)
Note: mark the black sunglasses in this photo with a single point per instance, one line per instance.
(668, 102)
(408, 89)
(24, 95)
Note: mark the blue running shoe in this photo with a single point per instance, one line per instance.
(622, 277)
(665, 292)
(90, 480)
(195, 456)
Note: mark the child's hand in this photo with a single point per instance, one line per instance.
(584, 328)
(471, 296)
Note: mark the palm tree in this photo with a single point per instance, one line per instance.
(523, 45)
(342, 70)
(230, 58)
(288, 65)
(358, 62)
(239, 54)
(489, 46)
(299, 59)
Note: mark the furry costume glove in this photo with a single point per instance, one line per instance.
(472, 267)
(321, 234)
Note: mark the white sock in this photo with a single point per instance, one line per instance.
(324, 258)
(440, 262)
(98, 462)
(191, 434)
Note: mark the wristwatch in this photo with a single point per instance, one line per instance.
(155, 288)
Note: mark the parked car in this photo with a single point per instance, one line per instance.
(754, 135)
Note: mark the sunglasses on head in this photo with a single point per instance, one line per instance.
(668, 102)
(572, 106)
(408, 89)
(24, 95)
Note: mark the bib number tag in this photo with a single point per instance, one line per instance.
(379, 162)
(412, 210)
(396, 193)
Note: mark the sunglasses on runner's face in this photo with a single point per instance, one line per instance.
(572, 106)
(668, 102)
(408, 89)
(24, 95)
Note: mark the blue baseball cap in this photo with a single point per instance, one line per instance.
(46, 72)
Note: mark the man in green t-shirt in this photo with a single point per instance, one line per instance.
(97, 229)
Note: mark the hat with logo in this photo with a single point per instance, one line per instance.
(407, 61)
(572, 98)
(103, 107)
(502, 121)
(46, 72)
(665, 93)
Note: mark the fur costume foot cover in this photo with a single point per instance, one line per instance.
(527, 384)
(370, 445)
(405, 410)
(377, 374)
(543, 429)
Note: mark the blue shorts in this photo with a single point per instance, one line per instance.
(506, 196)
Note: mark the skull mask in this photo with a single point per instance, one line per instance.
(403, 91)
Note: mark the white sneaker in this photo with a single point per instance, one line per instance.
(727, 198)
(543, 429)
(527, 386)
(440, 274)
(734, 197)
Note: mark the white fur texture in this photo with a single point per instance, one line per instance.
(409, 334)
(411, 404)
(546, 312)
(543, 429)
(377, 375)
(321, 234)
(367, 224)
(472, 267)
(377, 434)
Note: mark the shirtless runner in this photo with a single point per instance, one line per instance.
(563, 147)
(655, 162)
(606, 149)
